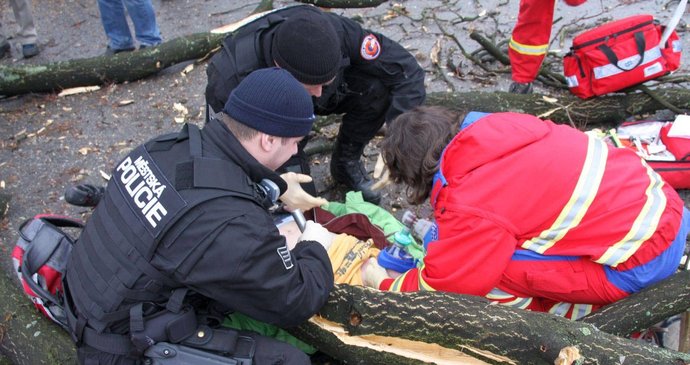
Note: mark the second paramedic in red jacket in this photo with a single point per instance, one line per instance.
(531, 213)
(530, 41)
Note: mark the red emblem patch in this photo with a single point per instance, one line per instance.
(371, 48)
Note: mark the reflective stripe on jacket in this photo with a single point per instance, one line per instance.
(512, 181)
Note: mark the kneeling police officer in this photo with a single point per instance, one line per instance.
(183, 235)
(347, 69)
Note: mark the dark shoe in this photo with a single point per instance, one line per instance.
(29, 50)
(5, 50)
(520, 88)
(347, 169)
(145, 46)
(109, 51)
(84, 195)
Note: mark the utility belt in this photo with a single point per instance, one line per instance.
(170, 336)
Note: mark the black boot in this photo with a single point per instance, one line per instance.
(520, 88)
(347, 169)
(84, 195)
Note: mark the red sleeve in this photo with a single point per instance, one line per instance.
(469, 257)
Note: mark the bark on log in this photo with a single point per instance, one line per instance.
(371, 327)
(641, 310)
(26, 336)
(126, 66)
(566, 109)
(604, 111)
(470, 325)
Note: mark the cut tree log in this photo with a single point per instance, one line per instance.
(645, 308)
(566, 109)
(126, 66)
(374, 322)
(363, 326)
(26, 336)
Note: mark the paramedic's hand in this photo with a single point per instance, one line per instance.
(295, 197)
(315, 232)
(373, 274)
(381, 174)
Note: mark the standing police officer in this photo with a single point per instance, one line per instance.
(347, 69)
(183, 233)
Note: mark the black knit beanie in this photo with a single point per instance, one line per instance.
(307, 45)
(272, 101)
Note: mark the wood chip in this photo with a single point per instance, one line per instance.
(78, 90)
(104, 175)
(187, 69)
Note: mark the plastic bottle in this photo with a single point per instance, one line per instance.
(395, 256)
(422, 229)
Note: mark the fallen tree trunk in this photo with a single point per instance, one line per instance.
(639, 311)
(375, 322)
(566, 109)
(126, 66)
(364, 326)
(604, 111)
(26, 336)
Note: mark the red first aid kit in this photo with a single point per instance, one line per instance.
(668, 155)
(40, 258)
(619, 54)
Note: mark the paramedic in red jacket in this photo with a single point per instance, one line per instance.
(531, 213)
(530, 41)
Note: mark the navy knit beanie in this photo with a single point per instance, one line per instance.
(307, 45)
(272, 101)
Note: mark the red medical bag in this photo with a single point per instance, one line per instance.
(619, 54)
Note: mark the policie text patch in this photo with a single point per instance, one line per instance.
(147, 191)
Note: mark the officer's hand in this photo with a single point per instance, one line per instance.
(381, 173)
(315, 232)
(295, 197)
(373, 274)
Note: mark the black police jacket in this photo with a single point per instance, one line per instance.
(153, 233)
(249, 48)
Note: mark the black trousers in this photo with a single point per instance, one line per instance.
(363, 100)
(268, 351)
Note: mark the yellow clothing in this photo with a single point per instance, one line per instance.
(347, 254)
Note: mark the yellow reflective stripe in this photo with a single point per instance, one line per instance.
(521, 303)
(585, 190)
(580, 310)
(644, 225)
(498, 294)
(560, 309)
(423, 284)
(528, 49)
(397, 283)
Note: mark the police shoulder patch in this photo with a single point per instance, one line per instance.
(370, 48)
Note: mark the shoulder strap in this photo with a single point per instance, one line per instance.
(211, 173)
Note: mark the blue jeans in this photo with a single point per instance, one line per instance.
(114, 19)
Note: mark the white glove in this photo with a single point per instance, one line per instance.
(373, 274)
(381, 173)
(315, 232)
(295, 197)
